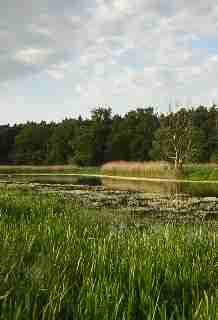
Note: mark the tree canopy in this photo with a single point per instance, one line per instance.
(139, 135)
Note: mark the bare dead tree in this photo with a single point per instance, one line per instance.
(177, 138)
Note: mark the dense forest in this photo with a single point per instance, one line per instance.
(191, 134)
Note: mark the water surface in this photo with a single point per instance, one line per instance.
(158, 186)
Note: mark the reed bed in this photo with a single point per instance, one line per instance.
(149, 169)
(162, 169)
(60, 261)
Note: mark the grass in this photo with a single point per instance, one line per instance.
(61, 261)
(208, 171)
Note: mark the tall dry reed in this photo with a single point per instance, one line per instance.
(151, 169)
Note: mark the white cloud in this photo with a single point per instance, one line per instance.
(124, 6)
(55, 74)
(33, 56)
(114, 51)
(58, 71)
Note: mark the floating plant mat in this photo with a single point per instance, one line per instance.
(159, 186)
(180, 208)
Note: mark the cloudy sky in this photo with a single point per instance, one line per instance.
(62, 58)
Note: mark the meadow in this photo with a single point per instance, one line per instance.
(59, 260)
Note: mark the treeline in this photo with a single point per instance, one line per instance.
(139, 135)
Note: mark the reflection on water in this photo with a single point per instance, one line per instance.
(161, 187)
(194, 189)
(200, 189)
(143, 186)
(53, 179)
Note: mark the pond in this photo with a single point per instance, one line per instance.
(198, 189)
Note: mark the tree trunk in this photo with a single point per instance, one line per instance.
(176, 162)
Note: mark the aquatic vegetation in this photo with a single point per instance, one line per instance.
(61, 261)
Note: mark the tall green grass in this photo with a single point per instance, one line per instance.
(207, 171)
(60, 261)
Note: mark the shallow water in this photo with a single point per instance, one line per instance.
(160, 187)
(163, 187)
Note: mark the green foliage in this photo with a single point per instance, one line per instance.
(160, 147)
(201, 172)
(31, 143)
(214, 157)
(92, 138)
(82, 145)
(59, 261)
(118, 146)
(131, 137)
(7, 136)
(140, 125)
(59, 145)
(139, 135)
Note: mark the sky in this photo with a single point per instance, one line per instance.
(63, 58)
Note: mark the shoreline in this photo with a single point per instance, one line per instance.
(114, 177)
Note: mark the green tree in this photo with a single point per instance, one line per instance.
(82, 144)
(92, 137)
(31, 143)
(118, 142)
(7, 138)
(141, 125)
(59, 146)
